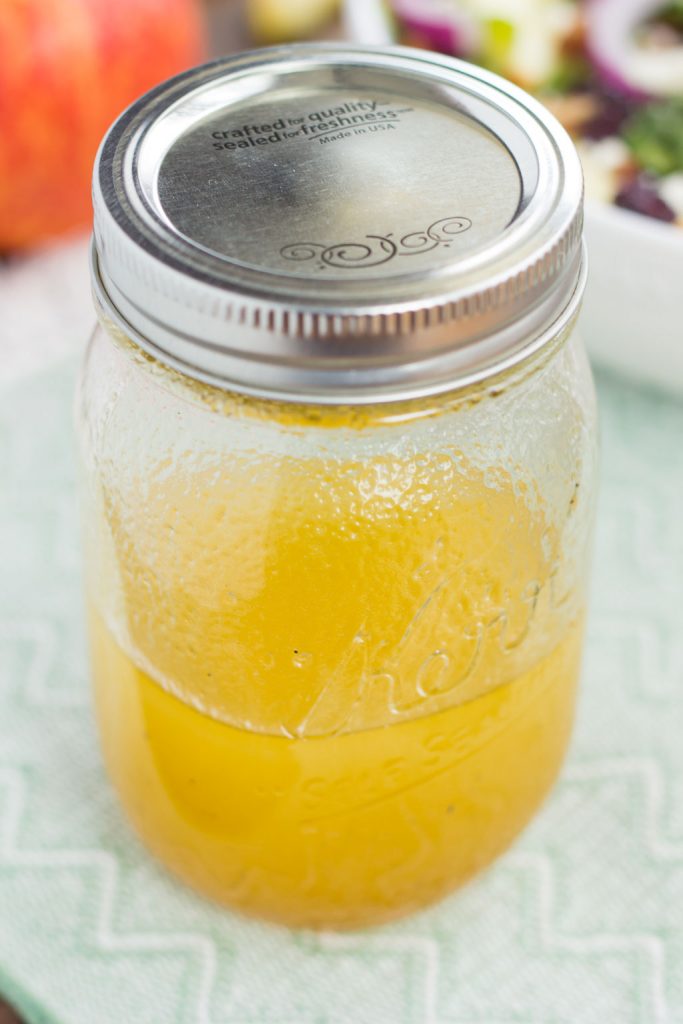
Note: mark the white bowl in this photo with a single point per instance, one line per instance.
(632, 318)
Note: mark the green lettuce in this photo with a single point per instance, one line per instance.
(654, 134)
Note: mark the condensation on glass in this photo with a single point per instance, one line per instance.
(338, 449)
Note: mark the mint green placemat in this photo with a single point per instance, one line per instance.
(581, 923)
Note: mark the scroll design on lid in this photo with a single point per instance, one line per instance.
(374, 250)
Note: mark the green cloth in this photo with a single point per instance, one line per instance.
(581, 923)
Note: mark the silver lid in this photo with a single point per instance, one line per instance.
(338, 223)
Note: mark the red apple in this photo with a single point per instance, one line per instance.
(67, 68)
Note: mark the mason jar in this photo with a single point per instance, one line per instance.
(339, 448)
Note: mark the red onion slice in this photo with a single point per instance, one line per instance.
(623, 65)
(442, 26)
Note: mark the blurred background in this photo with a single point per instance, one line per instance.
(611, 70)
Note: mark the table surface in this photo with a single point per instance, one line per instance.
(580, 923)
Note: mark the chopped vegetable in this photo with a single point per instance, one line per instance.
(672, 14)
(611, 114)
(438, 25)
(522, 38)
(571, 71)
(611, 27)
(671, 191)
(655, 136)
(497, 45)
(641, 196)
(606, 165)
(620, 60)
(272, 21)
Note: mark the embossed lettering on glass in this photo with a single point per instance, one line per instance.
(338, 445)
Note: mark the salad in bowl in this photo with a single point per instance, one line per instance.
(612, 73)
(610, 70)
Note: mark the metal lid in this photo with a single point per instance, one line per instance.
(338, 223)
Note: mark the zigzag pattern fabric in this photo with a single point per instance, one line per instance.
(581, 923)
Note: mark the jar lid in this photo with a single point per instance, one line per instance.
(338, 223)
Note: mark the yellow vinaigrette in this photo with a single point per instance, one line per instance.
(314, 749)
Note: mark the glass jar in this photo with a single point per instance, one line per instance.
(337, 511)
